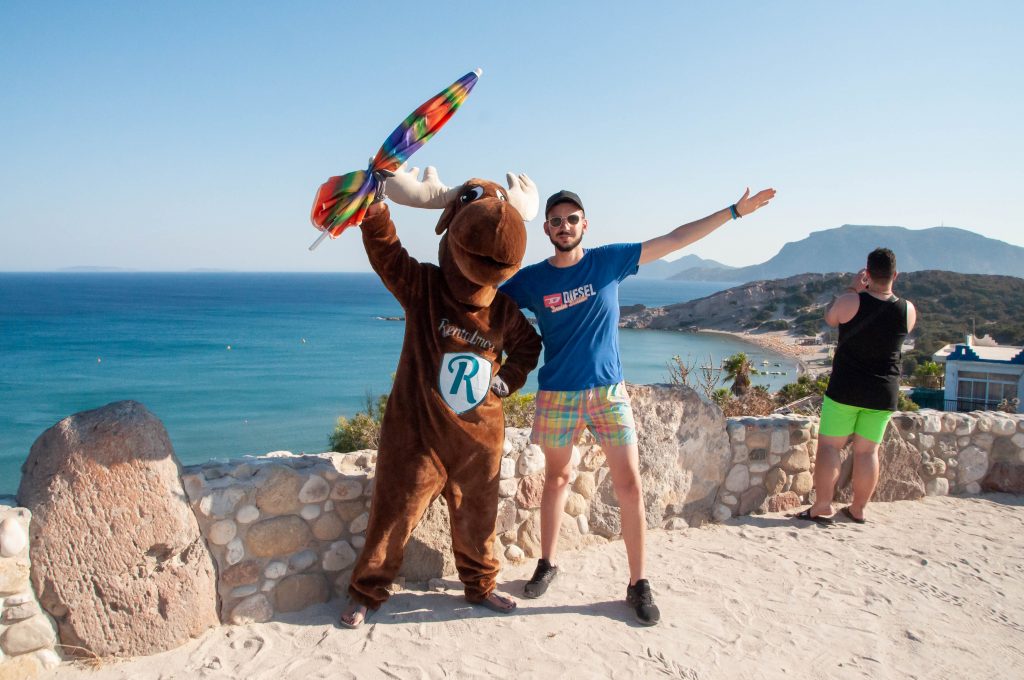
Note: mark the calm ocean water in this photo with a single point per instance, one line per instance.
(239, 364)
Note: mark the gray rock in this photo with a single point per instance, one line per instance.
(253, 609)
(107, 483)
(684, 452)
(899, 468)
(429, 551)
(28, 635)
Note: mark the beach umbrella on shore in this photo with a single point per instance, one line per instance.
(342, 201)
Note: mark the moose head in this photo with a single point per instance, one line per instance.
(483, 227)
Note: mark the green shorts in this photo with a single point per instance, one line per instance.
(841, 420)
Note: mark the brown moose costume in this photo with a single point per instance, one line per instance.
(443, 428)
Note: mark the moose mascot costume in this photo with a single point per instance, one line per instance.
(466, 345)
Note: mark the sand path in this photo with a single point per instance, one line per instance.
(929, 589)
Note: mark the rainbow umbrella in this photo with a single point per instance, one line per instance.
(342, 202)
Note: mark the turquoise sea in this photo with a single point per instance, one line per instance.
(237, 363)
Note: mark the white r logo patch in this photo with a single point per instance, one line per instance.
(464, 380)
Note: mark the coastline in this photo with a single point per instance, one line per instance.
(811, 359)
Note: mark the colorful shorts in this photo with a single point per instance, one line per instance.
(842, 420)
(605, 411)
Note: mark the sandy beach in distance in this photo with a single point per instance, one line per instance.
(811, 359)
(928, 589)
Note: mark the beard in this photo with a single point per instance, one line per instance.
(566, 247)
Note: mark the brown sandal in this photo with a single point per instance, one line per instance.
(494, 606)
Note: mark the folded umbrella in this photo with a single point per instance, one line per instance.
(342, 201)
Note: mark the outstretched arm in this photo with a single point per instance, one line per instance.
(680, 237)
(395, 267)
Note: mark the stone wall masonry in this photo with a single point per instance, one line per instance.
(28, 636)
(285, 530)
(925, 452)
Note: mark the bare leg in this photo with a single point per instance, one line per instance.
(826, 474)
(557, 466)
(865, 473)
(623, 464)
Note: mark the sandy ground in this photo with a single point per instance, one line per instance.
(928, 589)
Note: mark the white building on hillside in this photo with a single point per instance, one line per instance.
(980, 374)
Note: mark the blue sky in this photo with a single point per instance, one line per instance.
(173, 136)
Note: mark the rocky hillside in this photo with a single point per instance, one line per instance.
(747, 307)
(948, 304)
(845, 248)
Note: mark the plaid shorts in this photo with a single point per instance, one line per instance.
(604, 410)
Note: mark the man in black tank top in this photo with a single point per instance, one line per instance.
(864, 387)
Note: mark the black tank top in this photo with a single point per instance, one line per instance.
(866, 366)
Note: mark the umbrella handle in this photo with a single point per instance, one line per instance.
(319, 240)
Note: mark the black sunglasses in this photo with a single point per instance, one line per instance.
(573, 219)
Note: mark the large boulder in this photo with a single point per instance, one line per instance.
(1005, 477)
(899, 477)
(684, 457)
(117, 558)
(428, 554)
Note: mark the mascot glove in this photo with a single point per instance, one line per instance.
(499, 387)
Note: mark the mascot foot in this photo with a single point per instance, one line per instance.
(354, 615)
(503, 604)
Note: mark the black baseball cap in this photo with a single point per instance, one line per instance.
(563, 196)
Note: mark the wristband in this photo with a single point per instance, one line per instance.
(735, 213)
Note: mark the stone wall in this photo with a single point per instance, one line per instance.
(284, 530)
(925, 452)
(28, 635)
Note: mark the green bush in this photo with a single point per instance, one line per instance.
(519, 409)
(905, 403)
(804, 386)
(721, 396)
(362, 431)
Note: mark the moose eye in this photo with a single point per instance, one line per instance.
(471, 194)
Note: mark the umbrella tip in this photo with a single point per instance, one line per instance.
(478, 71)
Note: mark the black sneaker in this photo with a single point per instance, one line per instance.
(641, 599)
(542, 577)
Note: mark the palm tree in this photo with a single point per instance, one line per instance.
(737, 368)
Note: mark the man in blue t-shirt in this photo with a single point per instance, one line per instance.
(575, 297)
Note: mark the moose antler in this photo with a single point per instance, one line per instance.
(405, 189)
(522, 195)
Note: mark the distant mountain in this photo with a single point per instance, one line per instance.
(845, 249)
(94, 268)
(663, 269)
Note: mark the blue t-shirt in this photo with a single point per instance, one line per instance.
(577, 309)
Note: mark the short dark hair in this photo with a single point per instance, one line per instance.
(881, 264)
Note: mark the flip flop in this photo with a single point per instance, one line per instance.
(805, 515)
(494, 607)
(859, 520)
(355, 624)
